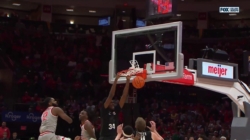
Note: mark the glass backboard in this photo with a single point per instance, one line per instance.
(156, 48)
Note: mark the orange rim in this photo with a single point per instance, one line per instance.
(143, 74)
(123, 72)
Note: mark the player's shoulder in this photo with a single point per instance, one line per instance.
(56, 108)
(87, 122)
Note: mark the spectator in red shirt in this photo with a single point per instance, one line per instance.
(27, 61)
(24, 80)
(36, 98)
(77, 85)
(51, 83)
(39, 108)
(26, 97)
(4, 129)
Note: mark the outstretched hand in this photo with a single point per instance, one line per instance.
(152, 128)
(77, 138)
(119, 129)
(128, 77)
(117, 76)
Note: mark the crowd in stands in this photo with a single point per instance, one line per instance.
(68, 69)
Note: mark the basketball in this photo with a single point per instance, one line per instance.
(138, 82)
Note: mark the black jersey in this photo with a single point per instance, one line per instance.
(109, 122)
(146, 135)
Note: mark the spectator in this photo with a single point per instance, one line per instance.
(191, 138)
(223, 138)
(4, 136)
(75, 60)
(14, 136)
(4, 131)
(20, 25)
(26, 97)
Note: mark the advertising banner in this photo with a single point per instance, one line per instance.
(217, 70)
(202, 20)
(187, 79)
(15, 116)
(104, 21)
(46, 14)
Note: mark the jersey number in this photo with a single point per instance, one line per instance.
(44, 116)
(111, 126)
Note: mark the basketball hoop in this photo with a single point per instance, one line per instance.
(133, 70)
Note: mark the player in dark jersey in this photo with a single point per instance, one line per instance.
(140, 126)
(109, 112)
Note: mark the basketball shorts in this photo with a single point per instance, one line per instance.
(51, 136)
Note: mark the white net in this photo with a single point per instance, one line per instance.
(134, 64)
(133, 70)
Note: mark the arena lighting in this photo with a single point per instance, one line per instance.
(72, 22)
(232, 14)
(92, 11)
(70, 10)
(16, 4)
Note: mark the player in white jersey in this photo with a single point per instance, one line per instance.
(49, 120)
(87, 129)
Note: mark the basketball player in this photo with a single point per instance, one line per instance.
(49, 120)
(109, 112)
(87, 129)
(126, 132)
(140, 126)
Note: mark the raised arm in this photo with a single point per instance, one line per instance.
(155, 134)
(89, 128)
(119, 132)
(125, 93)
(59, 112)
(111, 93)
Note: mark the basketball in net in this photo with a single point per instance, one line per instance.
(138, 82)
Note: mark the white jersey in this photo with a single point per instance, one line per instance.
(49, 121)
(84, 133)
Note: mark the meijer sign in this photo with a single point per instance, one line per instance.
(217, 70)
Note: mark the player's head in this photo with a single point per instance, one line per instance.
(49, 101)
(88, 114)
(140, 124)
(128, 131)
(111, 105)
(83, 115)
